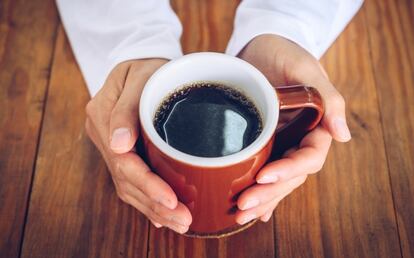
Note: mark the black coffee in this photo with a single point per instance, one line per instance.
(208, 120)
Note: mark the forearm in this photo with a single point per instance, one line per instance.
(104, 33)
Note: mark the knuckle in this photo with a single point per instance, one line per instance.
(155, 208)
(316, 166)
(125, 113)
(144, 181)
(123, 162)
(151, 215)
(90, 108)
(144, 175)
(117, 111)
(115, 168)
(338, 100)
(122, 195)
(302, 179)
(307, 63)
(118, 170)
(89, 129)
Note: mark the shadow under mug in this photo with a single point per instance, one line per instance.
(209, 187)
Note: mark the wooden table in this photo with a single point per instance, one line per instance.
(57, 199)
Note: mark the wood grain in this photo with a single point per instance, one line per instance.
(256, 241)
(347, 209)
(74, 210)
(391, 40)
(207, 25)
(360, 205)
(27, 35)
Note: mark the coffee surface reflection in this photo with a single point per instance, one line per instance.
(208, 120)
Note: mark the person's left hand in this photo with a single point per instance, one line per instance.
(285, 63)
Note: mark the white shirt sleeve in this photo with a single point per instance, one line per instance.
(103, 33)
(313, 25)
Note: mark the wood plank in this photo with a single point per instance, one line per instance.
(405, 13)
(256, 241)
(4, 25)
(27, 36)
(74, 210)
(207, 27)
(391, 38)
(347, 209)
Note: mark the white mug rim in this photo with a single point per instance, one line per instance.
(272, 106)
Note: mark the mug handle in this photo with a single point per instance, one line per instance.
(309, 102)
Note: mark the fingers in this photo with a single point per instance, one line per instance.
(284, 62)
(243, 217)
(308, 159)
(157, 225)
(139, 187)
(263, 193)
(132, 168)
(158, 212)
(269, 195)
(334, 118)
(99, 108)
(152, 213)
(310, 71)
(124, 116)
(112, 124)
(266, 217)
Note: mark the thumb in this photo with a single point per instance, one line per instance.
(124, 117)
(334, 119)
(124, 123)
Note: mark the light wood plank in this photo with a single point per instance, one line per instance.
(347, 209)
(27, 36)
(207, 24)
(391, 40)
(74, 210)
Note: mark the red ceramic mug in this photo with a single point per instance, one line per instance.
(209, 187)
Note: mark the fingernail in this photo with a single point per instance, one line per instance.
(268, 178)
(120, 138)
(178, 221)
(267, 216)
(250, 204)
(342, 129)
(157, 225)
(181, 229)
(167, 203)
(247, 218)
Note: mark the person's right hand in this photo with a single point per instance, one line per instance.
(112, 124)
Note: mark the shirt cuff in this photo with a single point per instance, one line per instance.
(282, 26)
(252, 22)
(115, 36)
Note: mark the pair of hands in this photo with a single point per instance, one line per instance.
(112, 124)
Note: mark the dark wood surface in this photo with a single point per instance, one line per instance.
(27, 39)
(57, 198)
